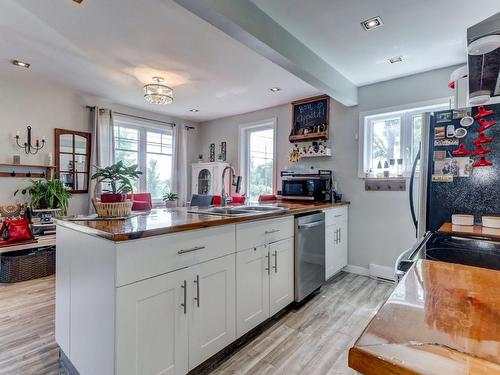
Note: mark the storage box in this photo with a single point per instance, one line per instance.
(27, 264)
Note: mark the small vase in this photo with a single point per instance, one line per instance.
(171, 204)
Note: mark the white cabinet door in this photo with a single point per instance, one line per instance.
(212, 307)
(281, 291)
(343, 245)
(252, 288)
(151, 326)
(336, 248)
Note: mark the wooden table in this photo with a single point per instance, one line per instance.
(475, 230)
(442, 318)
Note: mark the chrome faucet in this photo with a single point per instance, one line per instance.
(235, 181)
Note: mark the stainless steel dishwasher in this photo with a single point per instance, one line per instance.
(309, 254)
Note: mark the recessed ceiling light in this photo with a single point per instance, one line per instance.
(275, 89)
(194, 110)
(396, 59)
(372, 23)
(20, 63)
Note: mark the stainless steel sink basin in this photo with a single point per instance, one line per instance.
(263, 208)
(238, 210)
(228, 211)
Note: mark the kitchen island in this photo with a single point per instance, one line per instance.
(442, 318)
(165, 291)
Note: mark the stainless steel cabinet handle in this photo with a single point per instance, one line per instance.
(275, 261)
(268, 269)
(311, 225)
(184, 305)
(337, 215)
(197, 298)
(271, 231)
(337, 236)
(184, 251)
(340, 235)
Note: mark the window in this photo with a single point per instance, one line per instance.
(257, 159)
(151, 148)
(394, 135)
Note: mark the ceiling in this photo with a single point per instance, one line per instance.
(429, 34)
(111, 48)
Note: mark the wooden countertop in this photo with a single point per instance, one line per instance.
(164, 221)
(472, 230)
(442, 318)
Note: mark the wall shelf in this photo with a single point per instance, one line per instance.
(326, 153)
(26, 170)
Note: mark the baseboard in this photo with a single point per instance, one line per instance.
(376, 271)
(356, 270)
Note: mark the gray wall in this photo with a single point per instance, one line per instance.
(380, 226)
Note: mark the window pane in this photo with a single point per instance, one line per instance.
(386, 141)
(126, 138)
(129, 158)
(260, 163)
(158, 174)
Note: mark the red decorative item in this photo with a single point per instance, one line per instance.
(481, 112)
(480, 150)
(482, 162)
(482, 139)
(113, 197)
(485, 124)
(17, 230)
(461, 151)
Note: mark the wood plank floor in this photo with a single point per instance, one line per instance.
(311, 340)
(314, 339)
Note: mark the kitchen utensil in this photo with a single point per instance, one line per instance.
(461, 151)
(482, 112)
(485, 124)
(480, 150)
(466, 121)
(460, 132)
(491, 221)
(461, 219)
(482, 139)
(482, 162)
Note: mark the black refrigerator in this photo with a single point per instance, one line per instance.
(459, 167)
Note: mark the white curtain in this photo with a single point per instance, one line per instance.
(102, 144)
(180, 172)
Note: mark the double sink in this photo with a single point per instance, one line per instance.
(238, 210)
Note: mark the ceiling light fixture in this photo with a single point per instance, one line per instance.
(156, 93)
(396, 59)
(194, 110)
(275, 89)
(372, 23)
(20, 63)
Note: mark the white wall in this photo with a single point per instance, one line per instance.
(380, 223)
(45, 105)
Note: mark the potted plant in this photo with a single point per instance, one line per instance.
(170, 200)
(47, 194)
(118, 179)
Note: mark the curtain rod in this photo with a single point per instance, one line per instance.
(137, 117)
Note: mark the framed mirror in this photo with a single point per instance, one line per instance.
(72, 155)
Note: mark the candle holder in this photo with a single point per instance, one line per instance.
(27, 146)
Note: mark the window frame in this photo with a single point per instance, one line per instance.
(244, 147)
(405, 113)
(143, 127)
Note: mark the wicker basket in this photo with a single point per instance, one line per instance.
(27, 264)
(118, 209)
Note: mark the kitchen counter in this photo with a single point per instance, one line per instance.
(474, 230)
(442, 318)
(164, 221)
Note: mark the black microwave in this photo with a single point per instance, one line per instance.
(307, 186)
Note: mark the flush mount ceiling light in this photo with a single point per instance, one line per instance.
(194, 110)
(156, 93)
(20, 63)
(275, 89)
(372, 23)
(396, 59)
(484, 45)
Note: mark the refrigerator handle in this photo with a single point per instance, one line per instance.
(410, 190)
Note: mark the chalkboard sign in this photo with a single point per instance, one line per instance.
(310, 119)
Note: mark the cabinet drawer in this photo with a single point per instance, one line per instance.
(148, 257)
(335, 215)
(262, 232)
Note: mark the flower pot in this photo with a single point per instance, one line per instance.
(113, 198)
(171, 204)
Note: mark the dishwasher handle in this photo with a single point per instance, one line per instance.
(311, 225)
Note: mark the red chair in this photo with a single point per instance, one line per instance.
(142, 201)
(267, 198)
(238, 199)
